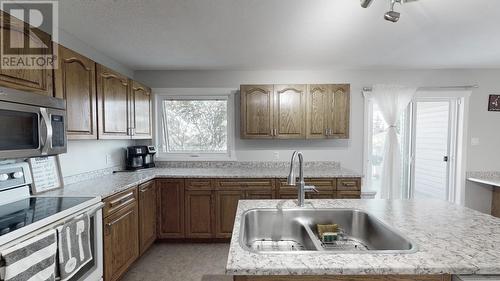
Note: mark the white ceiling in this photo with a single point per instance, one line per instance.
(287, 34)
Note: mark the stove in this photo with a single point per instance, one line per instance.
(24, 212)
(23, 215)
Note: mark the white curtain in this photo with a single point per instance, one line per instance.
(392, 100)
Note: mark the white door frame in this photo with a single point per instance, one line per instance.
(459, 109)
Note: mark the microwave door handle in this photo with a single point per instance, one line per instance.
(47, 144)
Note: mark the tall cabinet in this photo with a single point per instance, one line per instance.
(289, 111)
(257, 110)
(140, 111)
(38, 81)
(75, 82)
(112, 106)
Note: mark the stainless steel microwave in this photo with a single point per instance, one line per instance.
(31, 124)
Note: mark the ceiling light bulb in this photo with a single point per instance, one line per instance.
(392, 16)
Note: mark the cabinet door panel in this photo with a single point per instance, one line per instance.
(38, 81)
(199, 214)
(121, 242)
(256, 111)
(113, 114)
(289, 111)
(171, 208)
(141, 111)
(225, 211)
(316, 111)
(75, 82)
(340, 111)
(147, 215)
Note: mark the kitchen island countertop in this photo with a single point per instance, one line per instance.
(451, 240)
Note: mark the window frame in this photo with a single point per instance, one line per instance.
(163, 94)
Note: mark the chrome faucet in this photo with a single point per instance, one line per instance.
(301, 185)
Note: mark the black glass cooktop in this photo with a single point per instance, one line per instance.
(27, 211)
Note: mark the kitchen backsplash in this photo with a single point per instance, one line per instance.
(91, 175)
(243, 164)
(204, 164)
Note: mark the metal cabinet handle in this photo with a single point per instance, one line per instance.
(125, 198)
(110, 224)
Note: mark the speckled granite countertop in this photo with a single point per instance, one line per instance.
(494, 181)
(107, 185)
(451, 240)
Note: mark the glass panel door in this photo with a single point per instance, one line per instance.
(431, 148)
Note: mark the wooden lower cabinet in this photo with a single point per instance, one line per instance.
(121, 241)
(206, 208)
(170, 208)
(226, 204)
(199, 213)
(147, 215)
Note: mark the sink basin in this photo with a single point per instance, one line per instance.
(294, 231)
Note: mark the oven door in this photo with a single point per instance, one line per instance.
(93, 271)
(29, 131)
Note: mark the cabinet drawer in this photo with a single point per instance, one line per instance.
(349, 184)
(247, 184)
(119, 201)
(322, 184)
(201, 184)
(348, 194)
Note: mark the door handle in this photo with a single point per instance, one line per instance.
(47, 143)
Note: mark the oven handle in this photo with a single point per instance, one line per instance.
(47, 143)
(53, 225)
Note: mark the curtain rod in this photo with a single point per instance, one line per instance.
(475, 86)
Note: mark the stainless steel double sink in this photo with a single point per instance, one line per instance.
(294, 231)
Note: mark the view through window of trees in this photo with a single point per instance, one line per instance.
(195, 126)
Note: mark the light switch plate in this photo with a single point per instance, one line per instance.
(474, 141)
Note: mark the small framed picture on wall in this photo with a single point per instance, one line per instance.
(494, 103)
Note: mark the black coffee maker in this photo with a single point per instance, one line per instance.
(140, 157)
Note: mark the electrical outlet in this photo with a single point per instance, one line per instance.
(108, 159)
(474, 141)
(276, 155)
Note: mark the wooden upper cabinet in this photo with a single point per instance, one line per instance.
(141, 111)
(32, 80)
(170, 208)
(328, 111)
(340, 110)
(257, 111)
(318, 97)
(112, 106)
(289, 111)
(75, 82)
